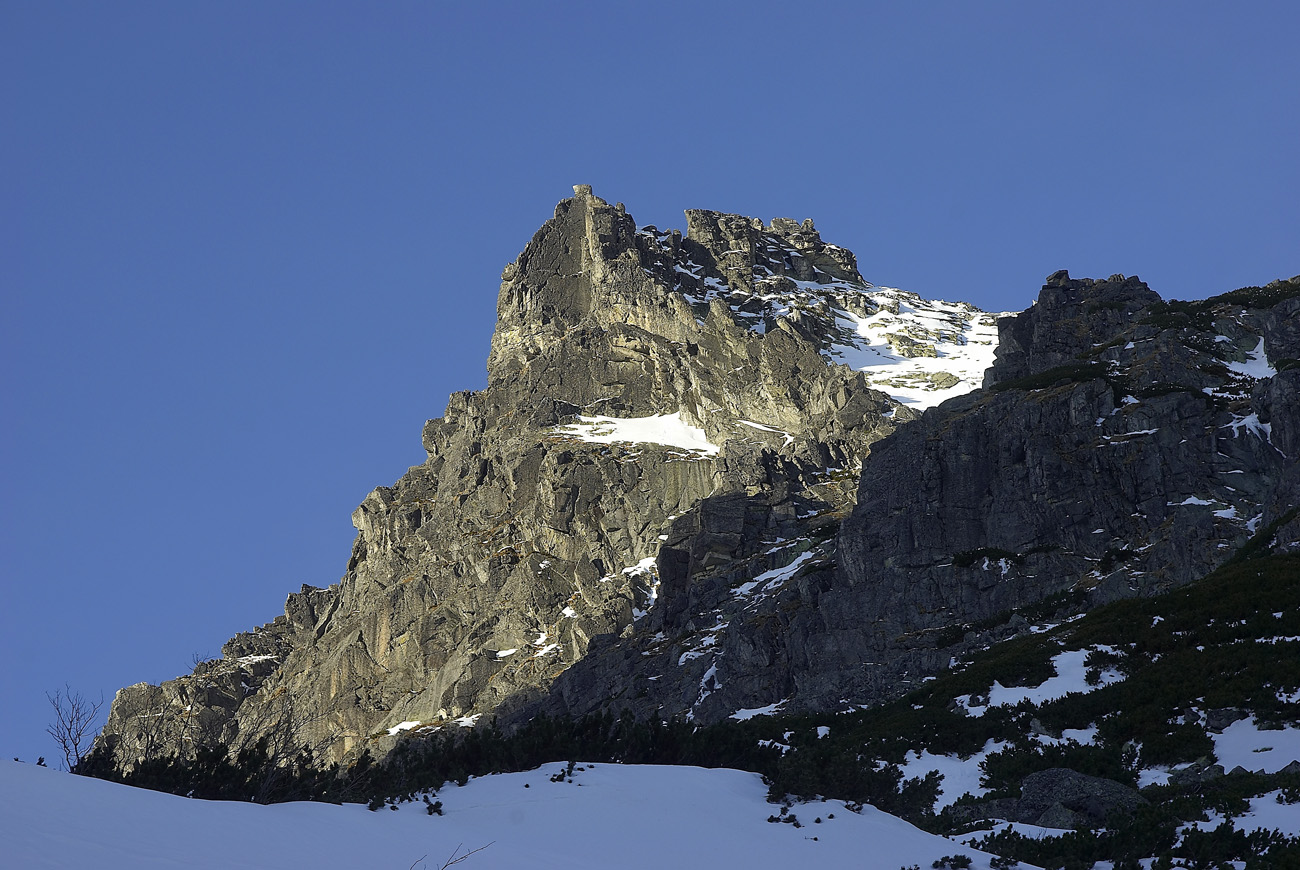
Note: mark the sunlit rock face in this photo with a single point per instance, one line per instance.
(673, 496)
(643, 385)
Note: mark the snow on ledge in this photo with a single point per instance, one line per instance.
(1256, 364)
(666, 429)
(769, 710)
(403, 726)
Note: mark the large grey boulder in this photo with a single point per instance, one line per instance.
(1063, 798)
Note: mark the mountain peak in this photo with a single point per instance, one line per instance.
(700, 482)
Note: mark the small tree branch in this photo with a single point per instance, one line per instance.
(74, 719)
(453, 860)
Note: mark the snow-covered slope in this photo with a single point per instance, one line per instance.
(605, 816)
(918, 351)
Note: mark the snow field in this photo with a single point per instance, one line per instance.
(1245, 744)
(625, 816)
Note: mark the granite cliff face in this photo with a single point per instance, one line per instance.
(1123, 446)
(637, 378)
(674, 498)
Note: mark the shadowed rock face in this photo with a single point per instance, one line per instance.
(652, 505)
(1124, 447)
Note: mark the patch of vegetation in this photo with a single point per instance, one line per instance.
(1113, 557)
(1076, 373)
(1113, 305)
(1259, 544)
(1260, 297)
(1152, 832)
(1004, 770)
(1200, 314)
(824, 533)
(1159, 388)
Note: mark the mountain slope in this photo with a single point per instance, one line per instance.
(1123, 446)
(644, 387)
(604, 815)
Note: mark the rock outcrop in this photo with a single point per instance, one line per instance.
(1122, 447)
(1059, 798)
(673, 496)
(644, 388)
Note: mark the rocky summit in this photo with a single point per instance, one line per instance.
(717, 473)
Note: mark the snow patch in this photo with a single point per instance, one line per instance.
(961, 337)
(666, 429)
(403, 726)
(960, 775)
(775, 577)
(1245, 744)
(1071, 676)
(1256, 364)
(769, 710)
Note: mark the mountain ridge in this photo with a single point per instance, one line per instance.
(537, 563)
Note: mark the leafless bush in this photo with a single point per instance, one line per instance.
(74, 722)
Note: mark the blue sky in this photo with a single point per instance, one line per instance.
(249, 248)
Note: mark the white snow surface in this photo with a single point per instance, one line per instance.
(1268, 815)
(698, 819)
(1035, 832)
(769, 710)
(1071, 676)
(1256, 365)
(1153, 776)
(666, 429)
(963, 336)
(960, 775)
(1244, 743)
(789, 439)
(775, 577)
(1265, 814)
(404, 726)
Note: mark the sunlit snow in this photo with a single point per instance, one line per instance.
(697, 819)
(963, 337)
(773, 577)
(403, 726)
(666, 429)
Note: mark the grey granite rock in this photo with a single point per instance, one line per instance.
(491, 568)
(791, 538)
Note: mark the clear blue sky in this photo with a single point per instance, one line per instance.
(248, 248)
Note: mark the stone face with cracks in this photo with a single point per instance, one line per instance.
(529, 566)
(489, 570)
